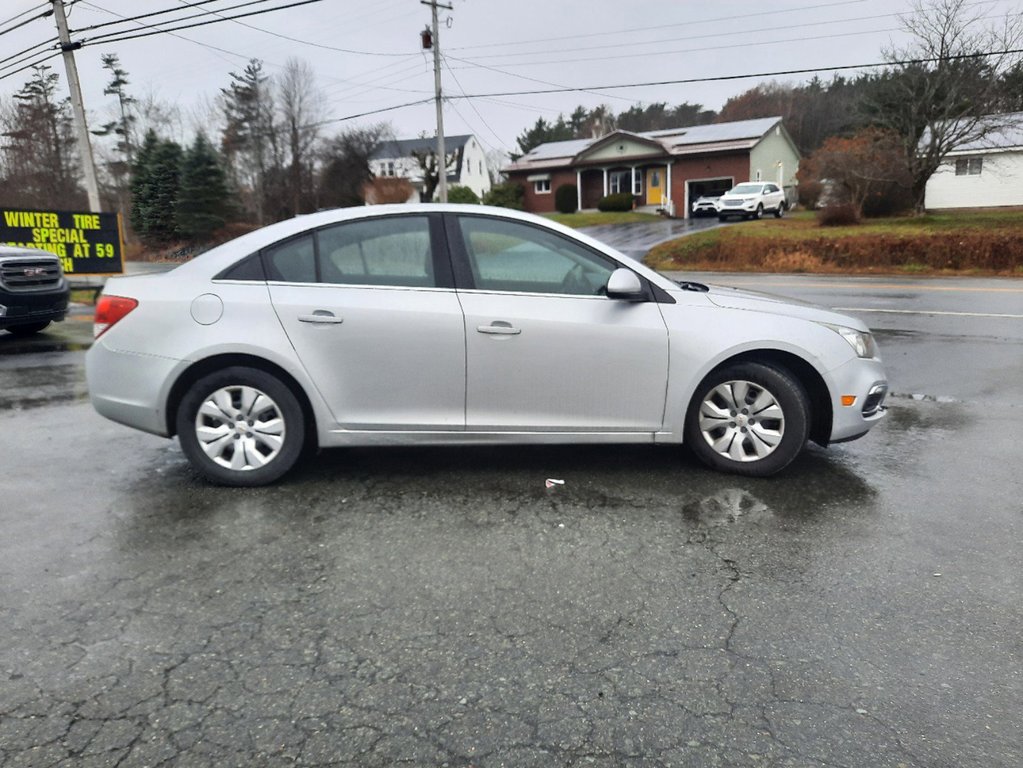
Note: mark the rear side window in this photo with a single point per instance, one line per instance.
(392, 251)
(249, 268)
(292, 261)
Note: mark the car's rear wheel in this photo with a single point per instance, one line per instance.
(28, 328)
(780, 212)
(749, 419)
(241, 426)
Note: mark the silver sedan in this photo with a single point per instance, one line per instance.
(446, 324)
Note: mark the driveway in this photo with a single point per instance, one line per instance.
(637, 238)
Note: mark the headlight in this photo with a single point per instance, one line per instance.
(861, 341)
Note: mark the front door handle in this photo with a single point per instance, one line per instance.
(499, 328)
(321, 317)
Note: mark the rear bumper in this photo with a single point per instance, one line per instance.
(130, 388)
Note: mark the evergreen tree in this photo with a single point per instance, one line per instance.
(202, 202)
(41, 167)
(140, 182)
(155, 189)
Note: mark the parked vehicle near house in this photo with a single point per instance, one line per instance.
(706, 205)
(751, 200)
(449, 324)
(33, 291)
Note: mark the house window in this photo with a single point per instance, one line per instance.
(542, 186)
(969, 166)
(637, 182)
(619, 182)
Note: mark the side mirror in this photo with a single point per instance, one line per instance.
(625, 284)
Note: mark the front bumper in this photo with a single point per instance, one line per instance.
(867, 383)
(25, 308)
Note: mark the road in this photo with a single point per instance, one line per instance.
(442, 607)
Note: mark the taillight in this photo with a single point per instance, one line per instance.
(110, 309)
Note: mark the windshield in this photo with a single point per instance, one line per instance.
(746, 189)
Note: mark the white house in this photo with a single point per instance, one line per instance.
(982, 174)
(395, 158)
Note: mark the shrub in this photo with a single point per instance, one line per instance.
(507, 195)
(565, 198)
(840, 215)
(460, 194)
(620, 201)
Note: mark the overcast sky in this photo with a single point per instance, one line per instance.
(490, 46)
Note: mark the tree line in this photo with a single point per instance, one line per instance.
(262, 149)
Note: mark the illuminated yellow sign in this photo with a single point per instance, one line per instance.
(87, 243)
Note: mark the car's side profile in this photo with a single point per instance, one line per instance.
(443, 324)
(751, 200)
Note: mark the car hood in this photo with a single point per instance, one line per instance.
(754, 301)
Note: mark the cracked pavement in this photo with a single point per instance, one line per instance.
(441, 607)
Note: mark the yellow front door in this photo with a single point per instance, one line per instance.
(656, 185)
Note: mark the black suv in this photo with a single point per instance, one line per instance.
(33, 291)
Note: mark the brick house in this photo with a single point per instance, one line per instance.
(664, 170)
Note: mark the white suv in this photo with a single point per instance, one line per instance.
(751, 200)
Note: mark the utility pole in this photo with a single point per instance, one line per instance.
(442, 164)
(77, 106)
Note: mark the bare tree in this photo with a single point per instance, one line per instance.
(948, 95)
(301, 108)
(345, 165)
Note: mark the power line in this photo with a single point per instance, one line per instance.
(299, 40)
(35, 63)
(26, 50)
(483, 119)
(111, 37)
(42, 15)
(619, 32)
(524, 77)
(17, 16)
(748, 76)
(186, 5)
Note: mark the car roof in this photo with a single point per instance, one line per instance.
(217, 259)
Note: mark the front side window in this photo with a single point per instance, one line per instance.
(393, 251)
(510, 256)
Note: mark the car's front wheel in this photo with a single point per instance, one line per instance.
(759, 212)
(241, 426)
(780, 211)
(748, 418)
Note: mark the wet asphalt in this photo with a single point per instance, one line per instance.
(443, 608)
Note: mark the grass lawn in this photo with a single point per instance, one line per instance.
(596, 218)
(975, 242)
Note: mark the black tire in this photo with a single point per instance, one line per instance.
(780, 211)
(241, 440)
(739, 442)
(722, 219)
(759, 212)
(28, 328)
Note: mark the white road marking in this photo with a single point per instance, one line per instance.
(928, 312)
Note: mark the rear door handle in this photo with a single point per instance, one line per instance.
(499, 328)
(321, 317)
